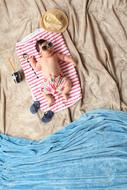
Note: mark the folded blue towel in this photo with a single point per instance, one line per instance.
(88, 154)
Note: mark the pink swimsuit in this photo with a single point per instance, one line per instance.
(53, 84)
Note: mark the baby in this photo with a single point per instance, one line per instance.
(54, 80)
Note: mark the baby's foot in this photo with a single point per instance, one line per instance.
(50, 99)
(66, 96)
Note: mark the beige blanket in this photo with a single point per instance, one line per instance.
(96, 37)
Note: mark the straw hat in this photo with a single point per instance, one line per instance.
(54, 20)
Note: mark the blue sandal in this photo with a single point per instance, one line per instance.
(35, 107)
(47, 116)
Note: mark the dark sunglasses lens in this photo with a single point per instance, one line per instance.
(44, 48)
(50, 44)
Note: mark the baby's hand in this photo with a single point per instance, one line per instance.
(32, 59)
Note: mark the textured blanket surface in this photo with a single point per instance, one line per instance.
(90, 153)
(96, 37)
(35, 79)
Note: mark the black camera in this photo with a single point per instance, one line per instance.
(17, 76)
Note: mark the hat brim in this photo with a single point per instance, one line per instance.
(41, 23)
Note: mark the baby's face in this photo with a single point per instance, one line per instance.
(46, 48)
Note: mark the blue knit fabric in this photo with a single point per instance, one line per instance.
(88, 154)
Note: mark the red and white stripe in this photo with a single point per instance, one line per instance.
(27, 45)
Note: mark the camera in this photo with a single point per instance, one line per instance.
(17, 76)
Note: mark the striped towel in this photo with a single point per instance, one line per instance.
(34, 79)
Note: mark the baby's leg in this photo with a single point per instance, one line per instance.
(67, 88)
(49, 98)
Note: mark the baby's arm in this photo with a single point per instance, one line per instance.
(66, 58)
(36, 65)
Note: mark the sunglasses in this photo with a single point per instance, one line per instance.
(47, 46)
(26, 57)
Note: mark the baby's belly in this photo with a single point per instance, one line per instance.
(48, 73)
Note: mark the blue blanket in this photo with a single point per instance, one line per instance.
(88, 154)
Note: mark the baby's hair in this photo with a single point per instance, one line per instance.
(39, 42)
